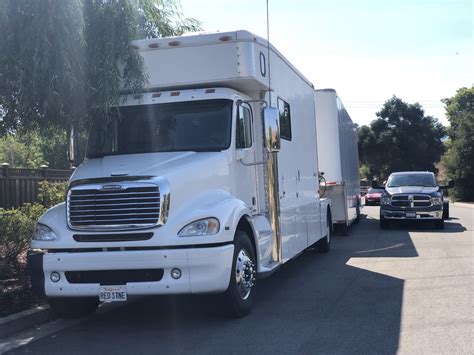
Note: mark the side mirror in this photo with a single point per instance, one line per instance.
(271, 128)
(450, 185)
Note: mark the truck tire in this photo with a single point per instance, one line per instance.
(439, 224)
(240, 294)
(324, 245)
(383, 223)
(446, 211)
(73, 307)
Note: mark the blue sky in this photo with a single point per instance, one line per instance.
(368, 50)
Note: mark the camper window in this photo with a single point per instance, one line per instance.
(285, 119)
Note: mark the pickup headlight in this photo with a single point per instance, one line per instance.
(207, 226)
(436, 201)
(43, 233)
(385, 200)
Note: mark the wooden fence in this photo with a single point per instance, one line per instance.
(19, 186)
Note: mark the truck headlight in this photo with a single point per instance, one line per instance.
(43, 233)
(385, 200)
(201, 227)
(437, 201)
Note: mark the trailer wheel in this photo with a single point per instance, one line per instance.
(240, 294)
(324, 245)
(73, 307)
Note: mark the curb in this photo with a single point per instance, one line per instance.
(17, 322)
(463, 204)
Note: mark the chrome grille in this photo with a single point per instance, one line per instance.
(117, 206)
(411, 200)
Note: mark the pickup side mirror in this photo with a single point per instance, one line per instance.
(450, 185)
(271, 129)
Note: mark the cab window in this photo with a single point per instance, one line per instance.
(244, 128)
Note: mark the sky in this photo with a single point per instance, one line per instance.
(368, 50)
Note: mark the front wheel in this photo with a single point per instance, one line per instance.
(73, 307)
(439, 224)
(240, 294)
(383, 223)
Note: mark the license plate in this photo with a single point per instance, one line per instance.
(411, 215)
(113, 293)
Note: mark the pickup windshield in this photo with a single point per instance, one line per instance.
(426, 180)
(180, 126)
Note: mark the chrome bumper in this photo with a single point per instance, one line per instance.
(412, 215)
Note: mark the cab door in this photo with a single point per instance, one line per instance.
(244, 176)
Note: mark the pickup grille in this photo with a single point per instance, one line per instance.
(411, 201)
(118, 206)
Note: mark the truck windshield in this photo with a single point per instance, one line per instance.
(426, 180)
(180, 126)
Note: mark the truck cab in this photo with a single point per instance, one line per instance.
(186, 187)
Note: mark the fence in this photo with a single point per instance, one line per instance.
(19, 186)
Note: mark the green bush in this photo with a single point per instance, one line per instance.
(16, 229)
(51, 193)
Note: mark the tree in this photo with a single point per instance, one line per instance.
(401, 138)
(459, 158)
(60, 58)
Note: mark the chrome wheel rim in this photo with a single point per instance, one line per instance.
(244, 274)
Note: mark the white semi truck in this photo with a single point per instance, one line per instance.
(339, 160)
(200, 184)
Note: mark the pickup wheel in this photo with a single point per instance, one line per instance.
(446, 210)
(439, 224)
(383, 223)
(73, 307)
(240, 294)
(324, 245)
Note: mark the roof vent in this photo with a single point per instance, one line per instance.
(174, 43)
(153, 45)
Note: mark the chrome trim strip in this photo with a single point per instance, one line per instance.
(164, 200)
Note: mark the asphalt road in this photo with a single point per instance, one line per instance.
(404, 290)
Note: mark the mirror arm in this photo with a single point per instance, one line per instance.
(264, 161)
(263, 102)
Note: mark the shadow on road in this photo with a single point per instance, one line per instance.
(316, 303)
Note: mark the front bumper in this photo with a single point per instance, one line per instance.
(204, 270)
(411, 215)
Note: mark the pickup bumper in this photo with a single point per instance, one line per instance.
(203, 270)
(407, 214)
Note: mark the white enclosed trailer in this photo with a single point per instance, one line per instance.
(338, 158)
(190, 190)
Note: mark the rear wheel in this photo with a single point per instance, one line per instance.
(324, 245)
(73, 307)
(240, 294)
(357, 219)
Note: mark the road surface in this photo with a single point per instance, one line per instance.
(407, 290)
